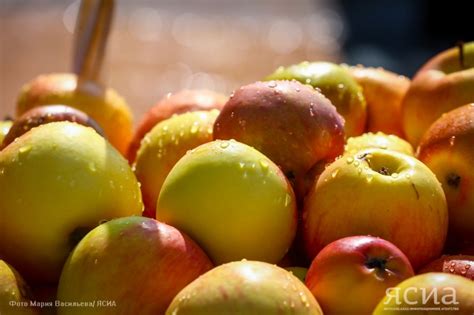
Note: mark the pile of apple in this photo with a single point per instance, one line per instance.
(299, 194)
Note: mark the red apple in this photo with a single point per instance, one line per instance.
(365, 266)
(177, 103)
(462, 265)
(139, 263)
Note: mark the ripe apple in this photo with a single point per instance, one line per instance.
(15, 295)
(365, 266)
(377, 140)
(337, 84)
(445, 82)
(462, 265)
(447, 148)
(291, 123)
(429, 293)
(172, 104)
(5, 126)
(139, 263)
(381, 193)
(58, 181)
(245, 287)
(164, 145)
(384, 91)
(232, 200)
(46, 114)
(104, 105)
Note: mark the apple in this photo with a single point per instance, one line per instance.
(139, 263)
(172, 104)
(245, 287)
(337, 84)
(164, 145)
(377, 140)
(447, 148)
(291, 123)
(380, 193)
(232, 200)
(15, 294)
(384, 91)
(462, 265)
(104, 106)
(429, 293)
(46, 114)
(298, 272)
(445, 82)
(5, 126)
(365, 266)
(58, 181)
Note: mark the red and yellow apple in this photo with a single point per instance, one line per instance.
(58, 181)
(172, 104)
(377, 140)
(381, 193)
(139, 263)
(462, 265)
(384, 91)
(365, 266)
(245, 287)
(15, 294)
(447, 148)
(232, 200)
(337, 84)
(164, 145)
(430, 293)
(445, 82)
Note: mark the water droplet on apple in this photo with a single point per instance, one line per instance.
(334, 173)
(356, 163)
(264, 165)
(349, 160)
(451, 140)
(394, 175)
(467, 266)
(272, 84)
(297, 89)
(311, 109)
(287, 200)
(340, 86)
(453, 264)
(451, 270)
(307, 81)
(25, 149)
(224, 144)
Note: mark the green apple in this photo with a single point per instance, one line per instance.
(337, 84)
(15, 295)
(58, 181)
(380, 193)
(377, 140)
(137, 263)
(5, 126)
(429, 293)
(232, 200)
(445, 82)
(245, 287)
(164, 145)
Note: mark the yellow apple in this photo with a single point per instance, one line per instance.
(377, 140)
(429, 294)
(58, 181)
(245, 287)
(164, 145)
(232, 200)
(380, 193)
(445, 82)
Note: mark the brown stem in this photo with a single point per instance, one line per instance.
(91, 33)
(460, 45)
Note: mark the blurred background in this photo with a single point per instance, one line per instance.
(162, 46)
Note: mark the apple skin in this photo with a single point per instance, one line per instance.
(14, 289)
(378, 140)
(231, 199)
(447, 148)
(164, 145)
(462, 265)
(384, 91)
(365, 266)
(291, 123)
(438, 87)
(5, 126)
(245, 287)
(337, 84)
(139, 263)
(406, 207)
(172, 104)
(58, 181)
(46, 114)
(105, 106)
(444, 284)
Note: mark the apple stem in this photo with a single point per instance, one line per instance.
(460, 45)
(91, 33)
